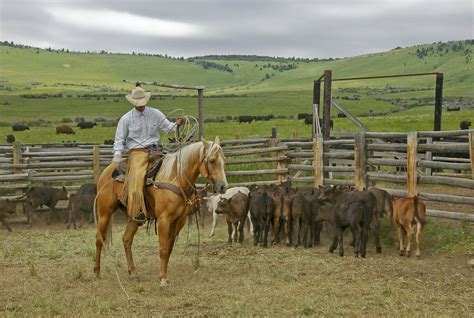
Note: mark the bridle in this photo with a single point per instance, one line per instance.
(190, 196)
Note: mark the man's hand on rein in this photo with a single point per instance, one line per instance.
(180, 121)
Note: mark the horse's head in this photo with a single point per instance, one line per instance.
(212, 165)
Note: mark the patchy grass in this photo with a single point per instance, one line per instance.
(48, 272)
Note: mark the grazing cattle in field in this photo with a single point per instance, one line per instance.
(109, 142)
(341, 115)
(236, 210)
(464, 125)
(331, 123)
(453, 108)
(309, 121)
(367, 198)
(20, 127)
(214, 200)
(246, 119)
(262, 209)
(36, 197)
(304, 115)
(86, 124)
(10, 139)
(406, 213)
(5, 208)
(64, 129)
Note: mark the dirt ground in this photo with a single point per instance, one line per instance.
(47, 271)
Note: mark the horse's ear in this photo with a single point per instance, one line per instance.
(204, 142)
(217, 140)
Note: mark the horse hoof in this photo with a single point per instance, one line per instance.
(402, 253)
(164, 282)
(97, 272)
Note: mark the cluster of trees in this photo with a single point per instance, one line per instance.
(41, 96)
(441, 48)
(208, 65)
(261, 58)
(279, 67)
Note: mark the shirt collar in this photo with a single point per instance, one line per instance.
(138, 113)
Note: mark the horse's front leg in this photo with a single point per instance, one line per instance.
(167, 231)
(128, 236)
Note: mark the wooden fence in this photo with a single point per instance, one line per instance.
(360, 159)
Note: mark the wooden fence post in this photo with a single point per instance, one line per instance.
(16, 149)
(429, 155)
(316, 102)
(438, 102)
(274, 133)
(96, 163)
(471, 152)
(360, 158)
(282, 165)
(412, 144)
(201, 112)
(318, 162)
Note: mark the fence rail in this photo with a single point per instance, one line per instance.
(361, 160)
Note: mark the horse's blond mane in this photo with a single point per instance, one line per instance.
(176, 164)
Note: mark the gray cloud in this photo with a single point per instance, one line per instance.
(321, 28)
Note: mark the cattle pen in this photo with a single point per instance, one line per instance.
(402, 163)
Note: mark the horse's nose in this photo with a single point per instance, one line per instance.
(221, 187)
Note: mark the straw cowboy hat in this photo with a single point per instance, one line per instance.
(138, 96)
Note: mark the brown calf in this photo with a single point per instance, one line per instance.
(384, 202)
(235, 209)
(406, 213)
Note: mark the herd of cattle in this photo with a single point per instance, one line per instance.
(295, 215)
(63, 129)
(306, 117)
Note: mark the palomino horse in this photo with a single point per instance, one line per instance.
(179, 170)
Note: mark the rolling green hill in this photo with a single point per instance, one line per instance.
(91, 84)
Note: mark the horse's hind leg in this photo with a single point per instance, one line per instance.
(130, 231)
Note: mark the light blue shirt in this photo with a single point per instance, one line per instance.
(140, 129)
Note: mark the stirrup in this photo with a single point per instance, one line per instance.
(140, 218)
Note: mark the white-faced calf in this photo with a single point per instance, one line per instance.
(235, 209)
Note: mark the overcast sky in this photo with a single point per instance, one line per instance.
(302, 28)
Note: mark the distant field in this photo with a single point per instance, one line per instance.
(92, 87)
(413, 120)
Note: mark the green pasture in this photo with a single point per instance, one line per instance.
(407, 102)
(417, 119)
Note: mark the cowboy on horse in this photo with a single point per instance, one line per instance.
(169, 194)
(137, 129)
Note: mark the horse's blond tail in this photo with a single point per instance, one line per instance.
(107, 242)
